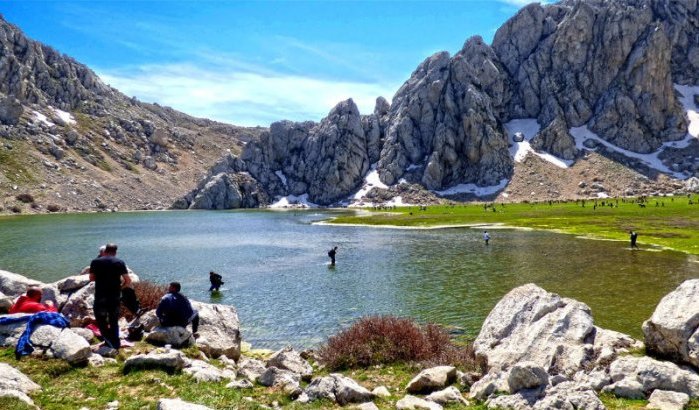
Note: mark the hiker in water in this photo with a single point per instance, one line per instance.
(633, 236)
(216, 281)
(486, 237)
(331, 254)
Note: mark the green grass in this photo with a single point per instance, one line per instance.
(14, 166)
(68, 388)
(674, 226)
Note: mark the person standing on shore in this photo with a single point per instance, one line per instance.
(107, 271)
(486, 237)
(331, 254)
(633, 236)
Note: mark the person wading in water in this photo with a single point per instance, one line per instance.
(331, 254)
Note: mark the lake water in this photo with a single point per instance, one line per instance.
(275, 266)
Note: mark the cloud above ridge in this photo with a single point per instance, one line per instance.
(244, 97)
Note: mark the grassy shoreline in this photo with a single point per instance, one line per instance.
(662, 222)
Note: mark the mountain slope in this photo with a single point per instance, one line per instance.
(565, 82)
(70, 142)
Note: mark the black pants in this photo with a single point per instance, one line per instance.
(107, 317)
(194, 320)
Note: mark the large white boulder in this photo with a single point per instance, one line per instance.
(673, 329)
(72, 283)
(9, 334)
(61, 344)
(667, 400)
(219, 330)
(13, 379)
(533, 325)
(171, 362)
(79, 305)
(175, 336)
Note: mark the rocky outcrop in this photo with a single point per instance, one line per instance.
(673, 329)
(219, 330)
(519, 329)
(555, 139)
(603, 63)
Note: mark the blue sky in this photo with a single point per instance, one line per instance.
(252, 63)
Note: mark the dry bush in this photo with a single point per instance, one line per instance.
(148, 294)
(53, 208)
(16, 209)
(26, 198)
(387, 339)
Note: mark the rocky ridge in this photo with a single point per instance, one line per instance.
(609, 66)
(70, 142)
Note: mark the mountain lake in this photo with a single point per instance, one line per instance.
(277, 274)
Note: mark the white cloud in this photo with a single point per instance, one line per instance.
(242, 97)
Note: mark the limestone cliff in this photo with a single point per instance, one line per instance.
(609, 65)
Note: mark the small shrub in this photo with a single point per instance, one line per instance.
(53, 208)
(26, 198)
(148, 294)
(387, 339)
(16, 209)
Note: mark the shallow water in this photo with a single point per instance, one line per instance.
(275, 266)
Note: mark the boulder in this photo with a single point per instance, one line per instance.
(276, 377)
(494, 381)
(5, 303)
(526, 375)
(651, 374)
(61, 344)
(339, 389)
(450, 395)
(251, 369)
(219, 330)
(13, 379)
(667, 400)
(673, 330)
(202, 371)
(411, 402)
(149, 320)
(72, 283)
(240, 384)
(17, 395)
(79, 305)
(10, 110)
(179, 404)
(289, 359)
(381, 391)
(171, 362)
(568, 395)
(366, 406)
(176, 336)
(9, 334)
(555, 333)
(432, 379)
(71, 347)
(12, 284)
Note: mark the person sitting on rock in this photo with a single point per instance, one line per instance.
(31, 303)
(175, 309)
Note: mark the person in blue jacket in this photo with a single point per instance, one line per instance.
(175, 309)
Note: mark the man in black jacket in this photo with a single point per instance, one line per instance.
(175, 309)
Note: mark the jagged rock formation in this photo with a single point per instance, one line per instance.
(71, 142)
(607, 65)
